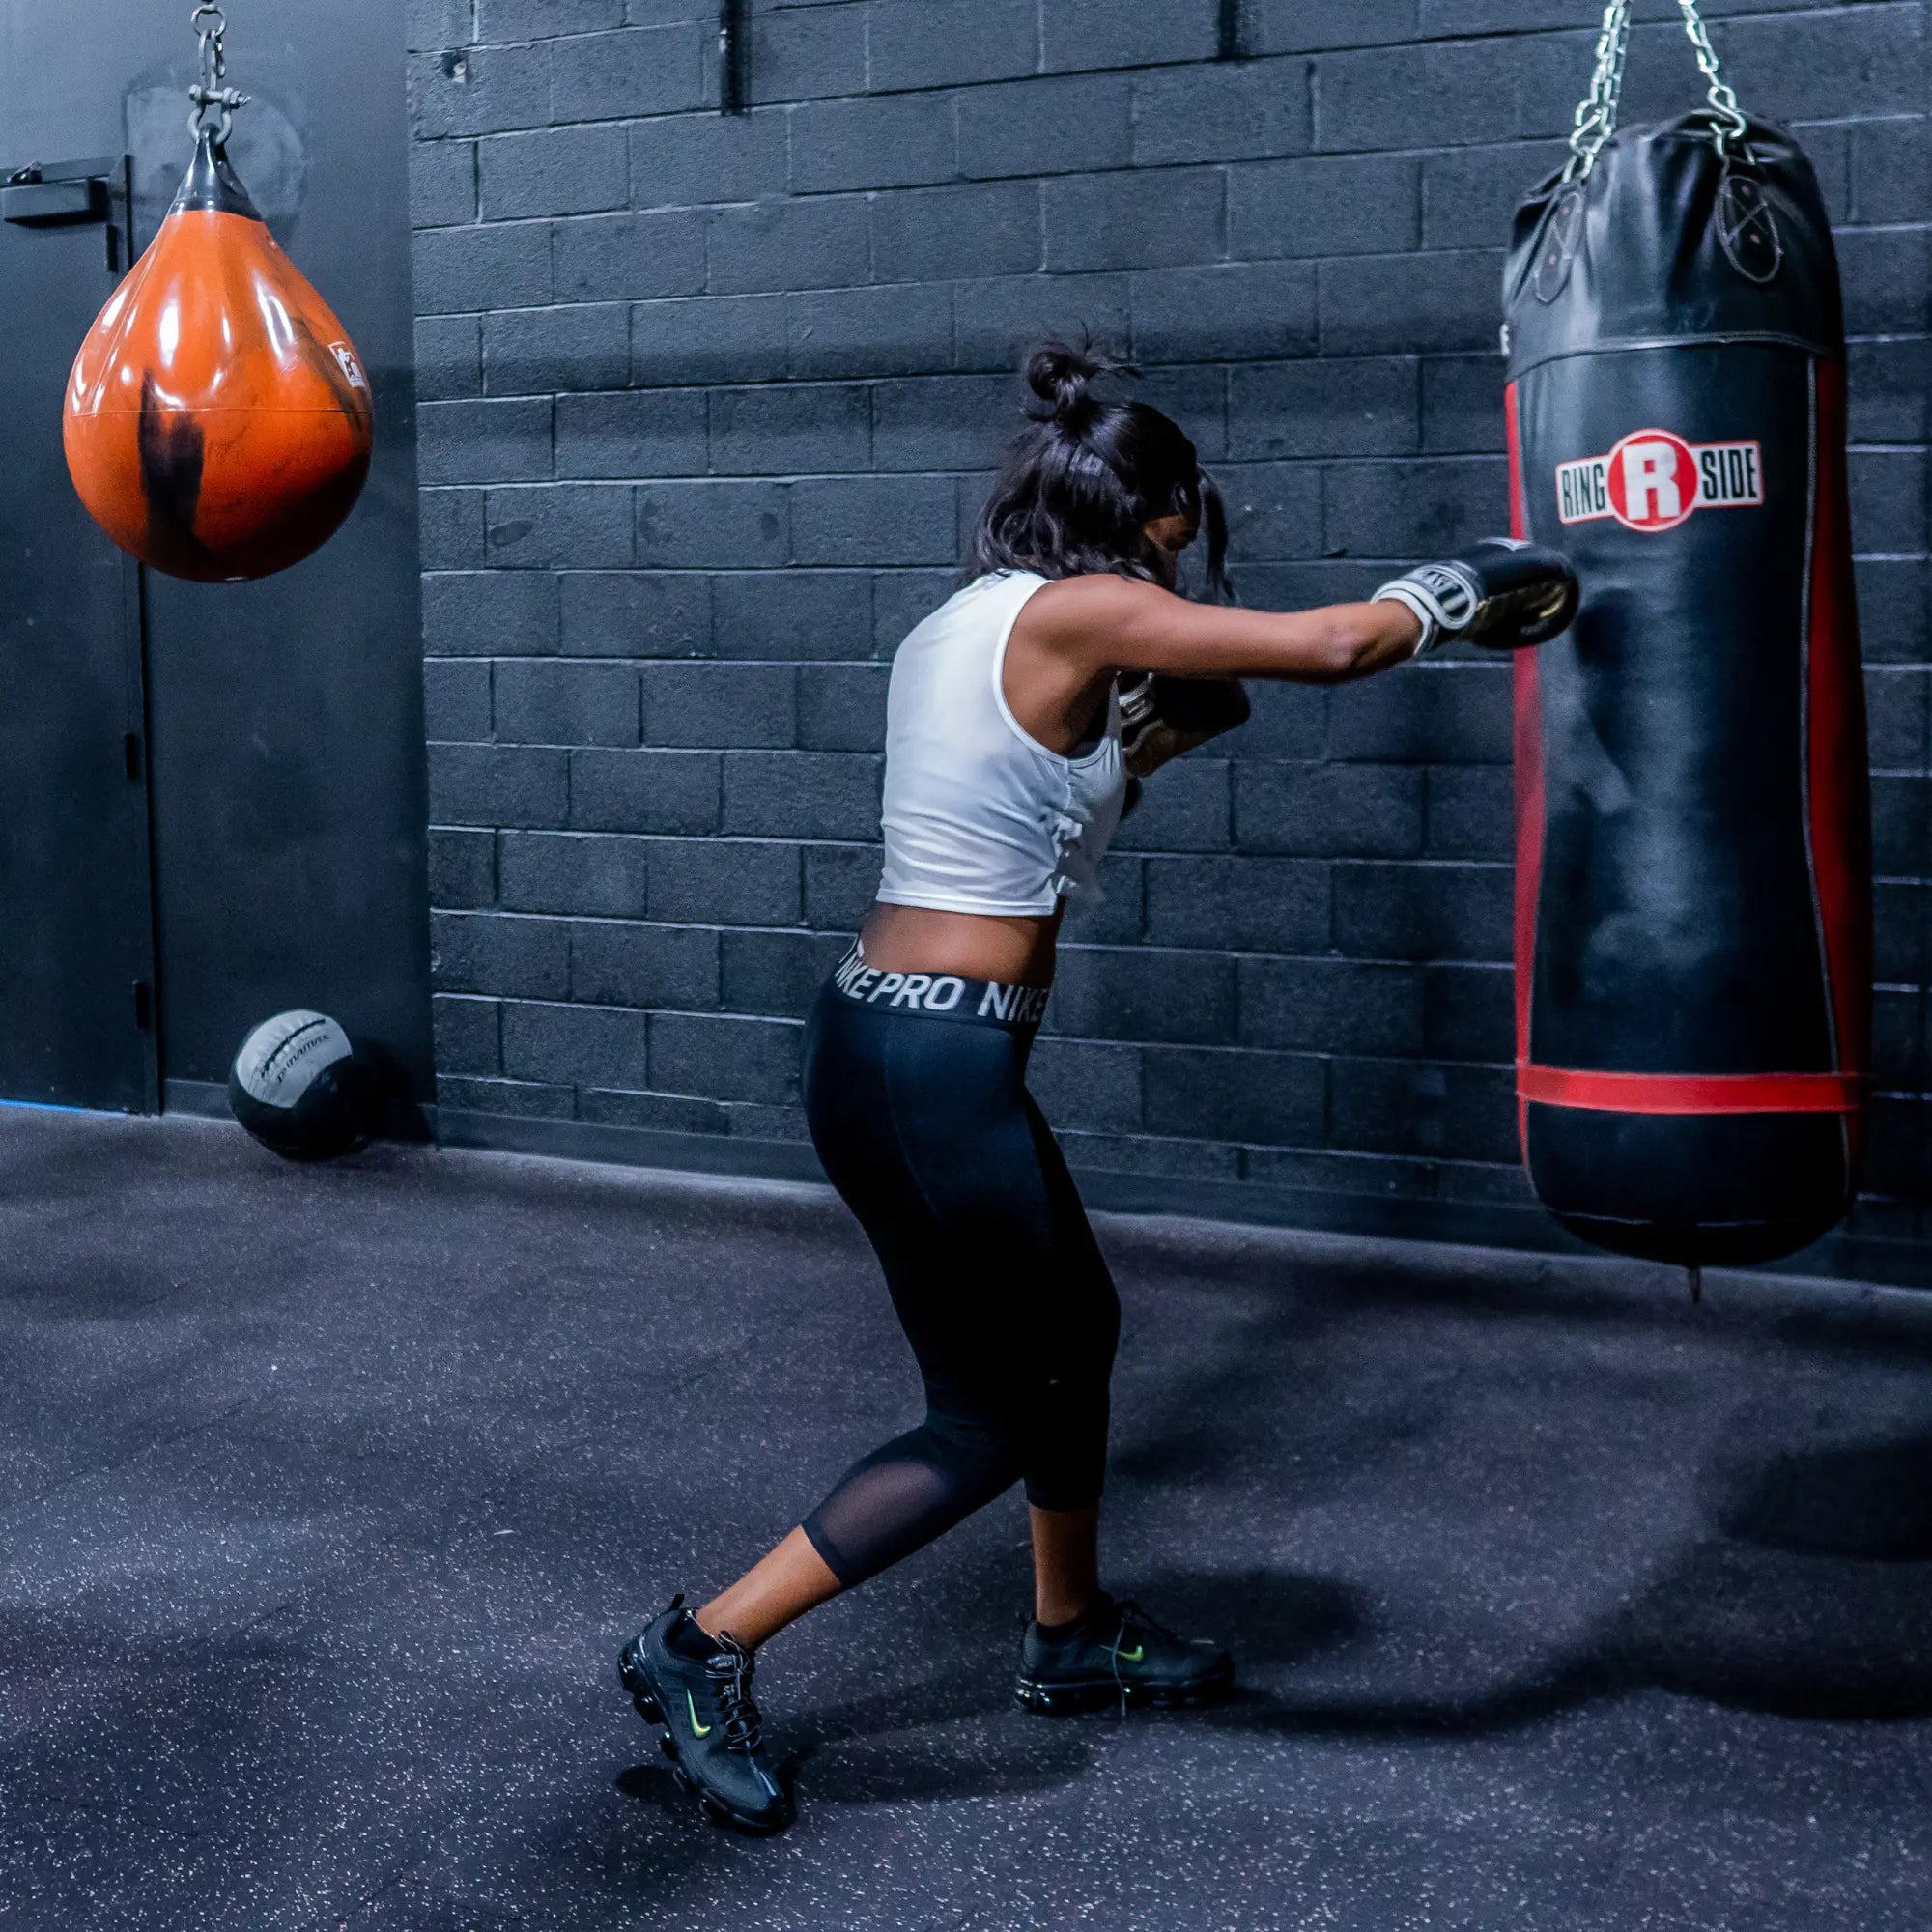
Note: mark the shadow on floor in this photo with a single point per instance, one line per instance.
(1799, 1591)
(1810, 1602)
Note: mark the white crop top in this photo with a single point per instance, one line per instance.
(978, 817)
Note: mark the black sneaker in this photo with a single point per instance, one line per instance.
(712, 1733)
(1118, 1654)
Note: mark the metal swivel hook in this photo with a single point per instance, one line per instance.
(211, 90)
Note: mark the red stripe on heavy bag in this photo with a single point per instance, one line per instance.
(219, 424)
(1694, 874)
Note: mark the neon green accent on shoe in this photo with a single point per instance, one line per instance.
(697, 1730)
(1132, 1655)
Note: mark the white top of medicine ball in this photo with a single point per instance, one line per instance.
(279, 1061)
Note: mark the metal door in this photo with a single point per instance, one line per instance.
(76, 914)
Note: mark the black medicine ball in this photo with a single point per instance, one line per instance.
(298, 1087)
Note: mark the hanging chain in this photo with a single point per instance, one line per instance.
(1729, 116)
(1597, 117)
(211, 90)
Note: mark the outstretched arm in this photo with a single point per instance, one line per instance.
(1118, 623)
(1501, 592)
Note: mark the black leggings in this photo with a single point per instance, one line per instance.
(915, 1088)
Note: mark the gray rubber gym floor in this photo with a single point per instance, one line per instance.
(331, 1493)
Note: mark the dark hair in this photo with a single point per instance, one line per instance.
(1085, 476)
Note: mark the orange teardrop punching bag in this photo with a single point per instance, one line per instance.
(218, 422)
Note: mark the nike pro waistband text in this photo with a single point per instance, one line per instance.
(939, 995)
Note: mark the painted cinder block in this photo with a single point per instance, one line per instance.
(709, 404)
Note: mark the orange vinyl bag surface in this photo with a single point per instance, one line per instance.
(218, 423)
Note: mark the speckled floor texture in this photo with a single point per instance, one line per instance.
(330, 1495)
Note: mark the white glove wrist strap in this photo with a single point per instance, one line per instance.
(1425, 607)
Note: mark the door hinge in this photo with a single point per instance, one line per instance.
(731, 57)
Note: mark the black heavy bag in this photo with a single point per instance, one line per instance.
(1693, 889)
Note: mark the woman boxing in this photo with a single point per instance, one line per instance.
(1004, 779)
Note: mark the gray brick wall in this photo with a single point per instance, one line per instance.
(708, 400)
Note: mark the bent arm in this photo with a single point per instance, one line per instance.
(1118, 623)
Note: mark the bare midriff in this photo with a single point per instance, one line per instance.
(1017, 952)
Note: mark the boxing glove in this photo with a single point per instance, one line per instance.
(1501, 592)
(1161, 716)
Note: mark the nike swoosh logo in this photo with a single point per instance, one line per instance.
(1132, 1655)
(697, 1730)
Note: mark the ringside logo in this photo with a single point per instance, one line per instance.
(1652, 481)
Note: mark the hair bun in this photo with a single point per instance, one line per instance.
(1059, 376)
